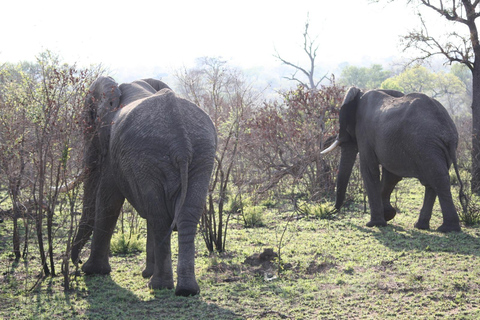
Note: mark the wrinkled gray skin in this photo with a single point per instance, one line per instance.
(409, 136)
(156, 150)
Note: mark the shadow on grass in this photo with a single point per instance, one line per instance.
(108, 300)
(399, 239)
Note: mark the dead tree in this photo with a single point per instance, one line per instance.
(310, 47)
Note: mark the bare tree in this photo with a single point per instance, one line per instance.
(223, 93)
(310, 48)
(284, 140)
(40, 120)
(455, 47)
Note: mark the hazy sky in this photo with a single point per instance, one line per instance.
(143, 35)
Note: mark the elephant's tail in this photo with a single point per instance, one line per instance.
(183, 191)
(183, 166)
(461, 194)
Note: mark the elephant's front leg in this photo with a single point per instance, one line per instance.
(162, 277)
(108, 204)
(371, 177)
(389, 181)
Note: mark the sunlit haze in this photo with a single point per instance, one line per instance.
(160, 36)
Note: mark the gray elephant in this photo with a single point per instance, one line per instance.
(156, 150)
(408, 136)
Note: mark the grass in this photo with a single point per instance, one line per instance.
(329, 269)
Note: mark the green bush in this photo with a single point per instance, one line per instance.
(453, 178)
(124, 244)
(472, 214)
(253, 216)
(235, 204)
(316, 210)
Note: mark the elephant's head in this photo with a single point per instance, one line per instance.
(347, 141)
(102, 100)
(101, 103)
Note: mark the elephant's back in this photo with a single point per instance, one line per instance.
(422, 115)
(427, 117)
(409, 126)
(161, 130)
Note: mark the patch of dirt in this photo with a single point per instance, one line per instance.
(227, 272)
(263, 264)
(314, 267)
(264, 259)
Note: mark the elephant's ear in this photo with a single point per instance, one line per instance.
(347, 116)
(103, 97)
(156, 84)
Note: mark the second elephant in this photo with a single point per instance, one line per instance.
(408, 136)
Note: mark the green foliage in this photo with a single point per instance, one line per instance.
(316, 210)
(448, 88)
(364, 78)
(420, 79)
(463, 73)
(253, 216)
(126, 244)
(453, 178)
(417, 79)
(235, 204)
(471, 216)
(391, 84)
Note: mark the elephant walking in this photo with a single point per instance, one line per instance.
(409, 136)
(156, 150)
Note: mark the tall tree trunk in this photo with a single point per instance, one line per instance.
(476, 128)
(471, 16)
(39, 220)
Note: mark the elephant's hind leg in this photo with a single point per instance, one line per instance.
(426, 212)
(439, 181)
(389, 181)
(159, 256)
(451, 221)
(162, 276)
(108, 204)
(187, 227)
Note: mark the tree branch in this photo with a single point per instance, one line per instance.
(444, 12)
(429, 46)
(311, 50)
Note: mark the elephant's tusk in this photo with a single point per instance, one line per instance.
(333, 146)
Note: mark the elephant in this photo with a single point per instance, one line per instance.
(407, 136)
(157, 150)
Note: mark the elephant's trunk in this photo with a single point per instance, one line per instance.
(347, 160)
(87, 221)
(91, 180)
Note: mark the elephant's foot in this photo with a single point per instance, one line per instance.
(156, 283)
(451, 227)
(148, 271)
(423, 225)
(377, 223)
(96, 267)
(187, 287)
(389, 213)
